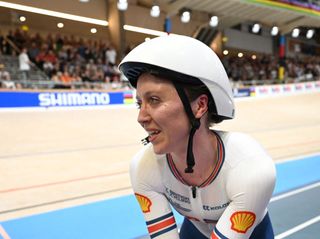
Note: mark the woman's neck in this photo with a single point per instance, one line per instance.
(205, 154)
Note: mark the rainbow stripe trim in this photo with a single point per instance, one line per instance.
(286, 6)
(213, 175)
(161, 225)
(128, 97)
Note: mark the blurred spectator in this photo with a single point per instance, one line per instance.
(58, 43)
(19, 39)
(37, 39)
(55, 77)
(24, 64)
(111, 55)
(66, 79)
(8, 47)
(5, 79)
(33, 52)
(2, 44)
(49, 60)
(48, 67)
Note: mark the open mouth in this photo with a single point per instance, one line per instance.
(153, 135)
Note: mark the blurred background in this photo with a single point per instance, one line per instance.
(78, 43)
(68, 119)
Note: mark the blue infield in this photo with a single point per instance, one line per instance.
(121, 217)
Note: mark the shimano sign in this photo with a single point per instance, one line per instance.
(73, 99)
(49, 99)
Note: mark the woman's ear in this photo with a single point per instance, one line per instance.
(200, 106)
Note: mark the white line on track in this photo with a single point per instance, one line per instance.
(302, 225)
(291, 193)
(298, 228)
(297, 158)
(3, 233)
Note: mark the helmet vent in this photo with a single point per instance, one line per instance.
(135, 72)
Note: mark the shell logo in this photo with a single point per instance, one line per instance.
(145, 203)
(242, 221)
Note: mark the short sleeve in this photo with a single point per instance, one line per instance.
(146, 180)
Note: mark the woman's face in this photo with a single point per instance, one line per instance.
(162, 115)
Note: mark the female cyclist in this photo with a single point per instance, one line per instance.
(221, 182)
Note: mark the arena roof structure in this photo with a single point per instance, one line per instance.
(233, 12)
(281, 13)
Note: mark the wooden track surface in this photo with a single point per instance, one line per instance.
(59, 158)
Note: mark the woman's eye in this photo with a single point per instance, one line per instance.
(138, 104)
(153, 100)
(150, 101)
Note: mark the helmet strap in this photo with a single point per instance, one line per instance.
(195, 124)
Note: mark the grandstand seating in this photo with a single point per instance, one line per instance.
(88, 67)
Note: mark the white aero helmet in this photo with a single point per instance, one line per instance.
(186, 60)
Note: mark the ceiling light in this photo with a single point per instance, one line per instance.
(214, 20)
(93, 30)
(253, 57)
(295, 32)
(240, 54)
(256, 28)
(310, 33)
(53, 13)
(122, 5)
(22, 18)
(60, 25)
(185, 16)
(225, 52)
(155, 11)
(84, 0)
(274, 31)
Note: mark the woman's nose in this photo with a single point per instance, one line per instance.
(143, 116)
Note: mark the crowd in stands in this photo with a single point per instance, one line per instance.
(264, 69)
(69, 62)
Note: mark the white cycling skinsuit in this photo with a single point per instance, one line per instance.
(231, 203)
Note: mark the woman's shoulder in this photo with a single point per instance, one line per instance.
(238, 141)
(246, 163)
(146, 170)
(240, 147)
(146, 157)
(146, 161)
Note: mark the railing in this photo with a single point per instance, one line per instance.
(124, 85)
(11, 43)
(257, 82)
(38, 72)
(35, 84)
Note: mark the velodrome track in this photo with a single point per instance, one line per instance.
(64, 173)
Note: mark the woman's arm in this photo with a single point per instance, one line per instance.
(146, 182)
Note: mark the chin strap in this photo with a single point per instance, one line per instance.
(195, 124)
